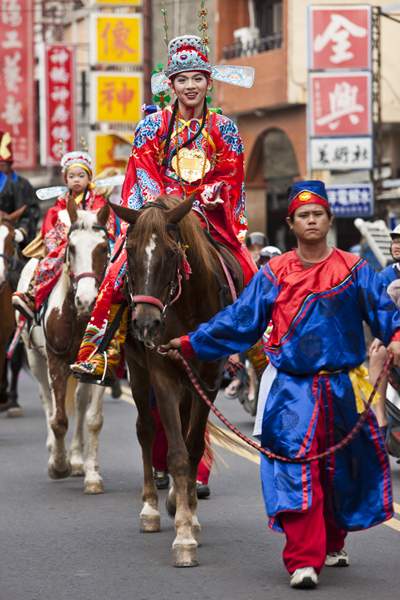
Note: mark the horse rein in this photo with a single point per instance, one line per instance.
(268, 453)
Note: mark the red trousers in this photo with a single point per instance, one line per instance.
(310, 535)
(160, 449)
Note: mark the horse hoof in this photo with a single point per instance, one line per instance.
(94, 487)
(15, 411)
(77, 470)
(59, 474)
(185, 555)
(150, 524)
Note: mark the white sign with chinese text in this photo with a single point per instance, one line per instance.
(352, 200)
(341, 154)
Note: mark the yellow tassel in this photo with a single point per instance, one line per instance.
(362, 387)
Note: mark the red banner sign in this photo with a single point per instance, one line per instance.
(340, 104)
(340, 37)
(59, 121)
(17, 103)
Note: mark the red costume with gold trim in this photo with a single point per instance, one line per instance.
(151, 172)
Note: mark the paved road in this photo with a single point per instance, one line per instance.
(58, 544)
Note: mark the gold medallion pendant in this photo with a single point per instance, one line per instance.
(191, 164)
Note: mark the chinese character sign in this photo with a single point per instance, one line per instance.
(340, 37)
(353, 200)
(110, 150)
(17, 112)
(341, 154)
(118, 39)
(59, 121)
(116, 97)
(340, 104)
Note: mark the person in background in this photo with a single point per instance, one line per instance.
(377, 350)
(16, 191)
(255, 242)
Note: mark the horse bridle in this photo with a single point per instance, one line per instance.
(175, 284)
(75, 279)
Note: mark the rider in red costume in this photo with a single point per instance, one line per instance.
(77, 170)
(182, 150)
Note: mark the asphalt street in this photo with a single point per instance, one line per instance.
(58, 544)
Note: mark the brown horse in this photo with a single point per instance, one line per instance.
(52, 346)
(8, 260)
(168, 300)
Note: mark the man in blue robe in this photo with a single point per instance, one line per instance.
(317, 298)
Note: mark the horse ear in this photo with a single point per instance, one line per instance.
(174, 215)
(103, 214)
(72, 211)
(16, 215)
(126, 214)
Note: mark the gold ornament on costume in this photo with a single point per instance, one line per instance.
(191, 164)
(304, 196)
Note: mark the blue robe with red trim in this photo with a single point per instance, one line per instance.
(318, 315)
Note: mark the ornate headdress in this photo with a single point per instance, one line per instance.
(307, 192)
(6, 153)
(77, 158)
(190, 53)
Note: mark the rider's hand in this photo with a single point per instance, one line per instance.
(394, 351)
(374, 347)
(211, 196)
(172, 348)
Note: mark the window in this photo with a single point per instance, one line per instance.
(264, 33)
(268, 17)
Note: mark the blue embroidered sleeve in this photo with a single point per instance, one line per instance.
(379, 311)
(240, 325)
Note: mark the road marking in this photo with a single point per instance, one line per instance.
(393, 524)
(127, 397)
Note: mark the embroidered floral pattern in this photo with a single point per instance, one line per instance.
(230, 134)
(144, 190)
(147, 129)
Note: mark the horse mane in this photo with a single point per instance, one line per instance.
(201, 254)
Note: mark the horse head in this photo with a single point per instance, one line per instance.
(156, 262)
(7, 245)
(87, 254)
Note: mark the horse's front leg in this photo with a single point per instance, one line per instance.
(169, 396)
(94, 422)
(150, 521)
(58, 465)
(195, 443)
(76, 451)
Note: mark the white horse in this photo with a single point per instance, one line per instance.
(52, 346)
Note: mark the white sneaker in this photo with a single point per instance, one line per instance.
(337, 559)
(305, 578)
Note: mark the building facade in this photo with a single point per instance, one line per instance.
(271, 36)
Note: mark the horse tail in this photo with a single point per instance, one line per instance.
(229, 441)
(70, 396)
